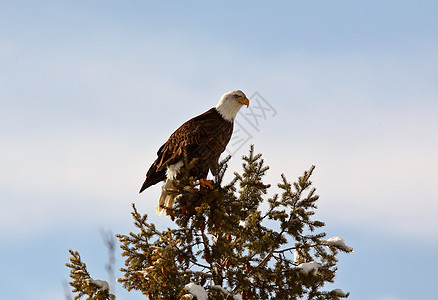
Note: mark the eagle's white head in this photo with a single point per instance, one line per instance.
(230, 104)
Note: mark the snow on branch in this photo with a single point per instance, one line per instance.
(337, 242)
(309, 268)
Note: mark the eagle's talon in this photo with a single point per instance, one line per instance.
(206, 183)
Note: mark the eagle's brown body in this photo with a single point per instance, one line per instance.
(204, 137)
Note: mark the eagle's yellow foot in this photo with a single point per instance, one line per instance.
(206, 183)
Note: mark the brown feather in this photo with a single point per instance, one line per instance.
(205, 137)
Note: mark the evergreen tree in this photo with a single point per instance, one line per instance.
(224, 246)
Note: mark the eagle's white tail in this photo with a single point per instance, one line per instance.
(166, 199)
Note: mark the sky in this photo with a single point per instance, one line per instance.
(89, 90)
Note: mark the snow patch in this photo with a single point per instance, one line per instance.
(197, 291)
(310, 267)
(244, 224)
(297, 256)
(225, 292)
(339, 242)
(339, 293)
(220, 288)
(101, 284)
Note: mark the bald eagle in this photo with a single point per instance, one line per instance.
(204, 137)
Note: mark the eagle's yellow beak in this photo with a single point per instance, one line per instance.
(244, 101)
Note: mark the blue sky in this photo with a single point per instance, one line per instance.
(89, 90)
